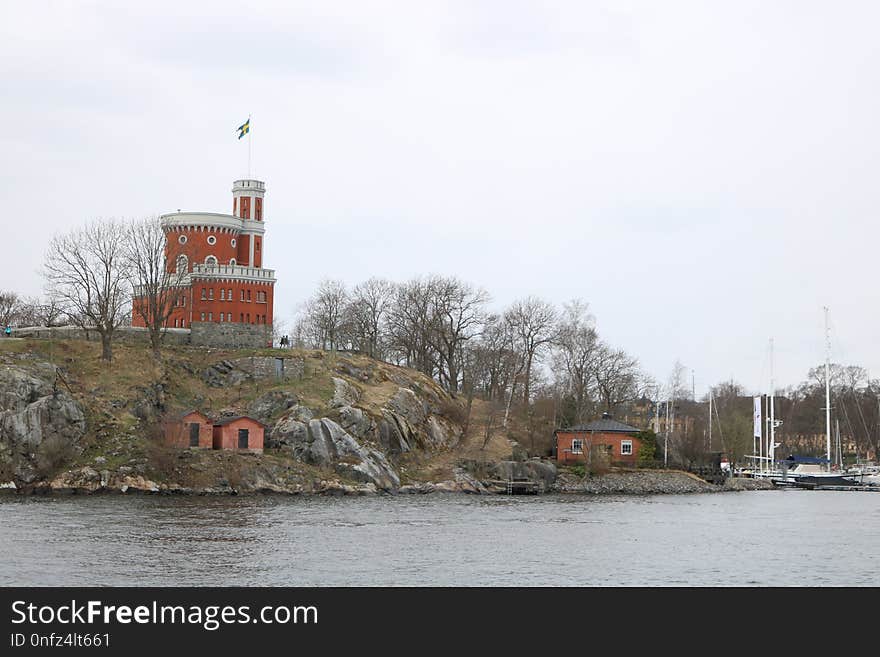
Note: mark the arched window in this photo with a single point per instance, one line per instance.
(211, 260)
(182, 264)
(232, 262)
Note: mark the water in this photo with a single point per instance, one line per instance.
(778, 538)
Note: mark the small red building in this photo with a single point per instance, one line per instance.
(616, 439)
(189, 429)
(239, 432)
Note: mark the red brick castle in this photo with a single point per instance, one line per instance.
(222, 258)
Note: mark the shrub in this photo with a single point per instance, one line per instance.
(52, 454)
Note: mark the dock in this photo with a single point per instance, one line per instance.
(866, 488)
(514, 486)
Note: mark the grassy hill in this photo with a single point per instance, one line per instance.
(126, 402)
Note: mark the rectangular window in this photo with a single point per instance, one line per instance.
(249, 295)
(222, 294)
(210, 317)
(175, 323)
(241, 318)
(258, 209)
(183, 323)
(626, 447)
(203, 317)
(242, 438)
(221, 317)
(248, 318)
(230, 294)
(258, 245)
(204, 294)
(242, 295)
(577, 446)
(211, 294)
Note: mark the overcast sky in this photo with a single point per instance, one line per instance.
(703, 174)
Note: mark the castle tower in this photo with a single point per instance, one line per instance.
(247, 203)
(221, 257)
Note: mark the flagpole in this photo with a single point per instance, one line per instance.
(249, 146)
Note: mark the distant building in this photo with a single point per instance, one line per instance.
(189, 429)
(222, 258)
(239, 432)
(608, 437)
(194, 429)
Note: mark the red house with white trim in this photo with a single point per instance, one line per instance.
(616, 439)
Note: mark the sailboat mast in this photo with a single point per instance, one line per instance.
(772, 448)
(710, 419)
(827, 391)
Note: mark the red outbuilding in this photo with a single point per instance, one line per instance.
(189, 429)
(239, 432)
(616, 439)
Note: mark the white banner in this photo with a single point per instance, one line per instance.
(758, 433)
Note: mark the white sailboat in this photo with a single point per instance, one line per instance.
(796, 471)
(805, 471)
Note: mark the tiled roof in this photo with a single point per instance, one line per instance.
(605, 425)
(229, 420)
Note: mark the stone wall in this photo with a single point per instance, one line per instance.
(231, 334)
(127, 334)
(202, 334)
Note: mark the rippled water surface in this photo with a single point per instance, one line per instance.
(767, 538)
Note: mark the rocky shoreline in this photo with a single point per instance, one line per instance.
(88, 481)
(334, 426)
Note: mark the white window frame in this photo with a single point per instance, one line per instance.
(624, 444)
(211, 261)
(577, 445)
(212, 240)
(233, 242)
(182, 239)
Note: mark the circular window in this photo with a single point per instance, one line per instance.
(212, 240)
(182, 239)
(210, 260)
(232, 241)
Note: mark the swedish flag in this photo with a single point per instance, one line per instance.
(244, 128)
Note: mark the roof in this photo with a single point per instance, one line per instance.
(182, 415)
(230, 420)
(605, 425)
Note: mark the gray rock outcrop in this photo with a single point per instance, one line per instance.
(269, 405)
(223, 374)
(543, 473)
(327, 443)
(344, 393)
(39, 424)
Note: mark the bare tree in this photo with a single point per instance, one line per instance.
(9, 305)
(533, 322)
(87, 270)
(324, 314)
(677, 386)
(410, 325)
(577, 353)
(457, 311)
(158, 272)
(617, 376)
(366, 314)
